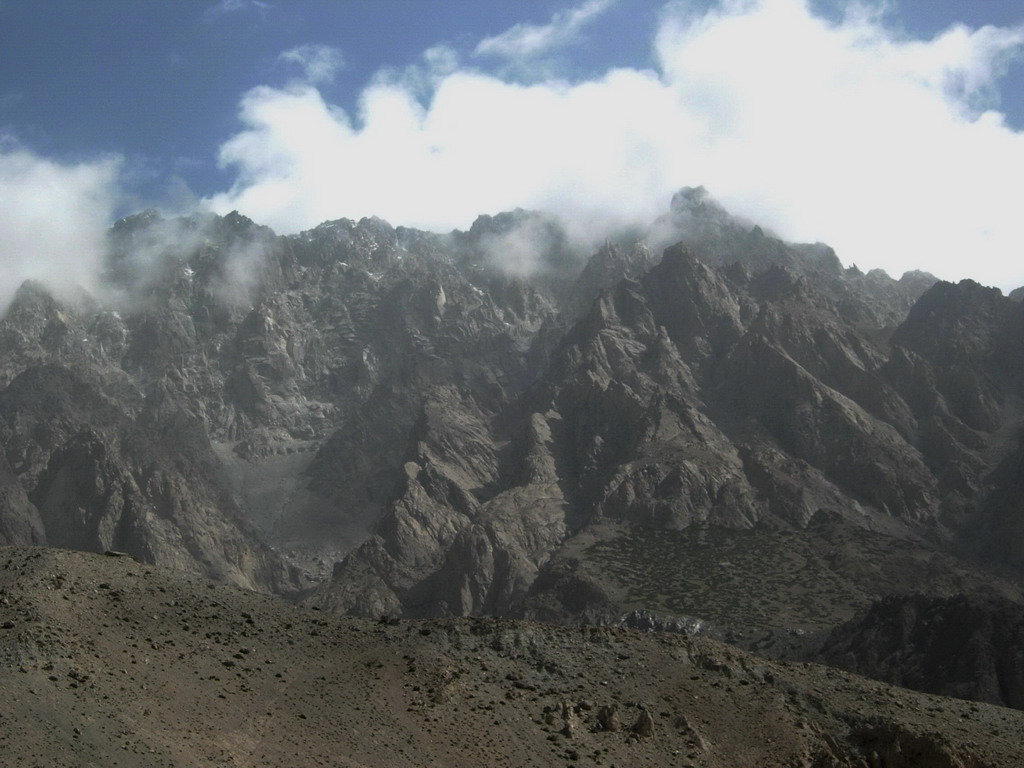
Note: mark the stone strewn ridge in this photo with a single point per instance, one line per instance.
(107, 661)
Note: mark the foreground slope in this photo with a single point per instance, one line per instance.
(105, 661)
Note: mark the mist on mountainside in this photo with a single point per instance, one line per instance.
(890, 149)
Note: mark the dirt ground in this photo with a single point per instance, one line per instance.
(108, 662)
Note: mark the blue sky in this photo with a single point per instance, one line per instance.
(161, 80)
(892, 131)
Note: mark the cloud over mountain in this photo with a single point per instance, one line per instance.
(53, 217)
(888, 148)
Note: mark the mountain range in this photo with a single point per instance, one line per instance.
(695, 427)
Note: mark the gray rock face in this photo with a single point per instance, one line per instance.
(450, 424)
(99, 480)
(235, 387)
(736, 395)
(969, 648)
(746, 394)
(20, 522)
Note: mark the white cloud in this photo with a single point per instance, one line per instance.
(225, 7)
(320, 63)
(529, 40)
(885, 147)
(855, 136)
(53, 218)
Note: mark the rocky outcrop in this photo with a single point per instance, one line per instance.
(99, 480)
(451, 543)
(20, 522)
(966, 647)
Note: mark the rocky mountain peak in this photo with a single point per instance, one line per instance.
(489, 421)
